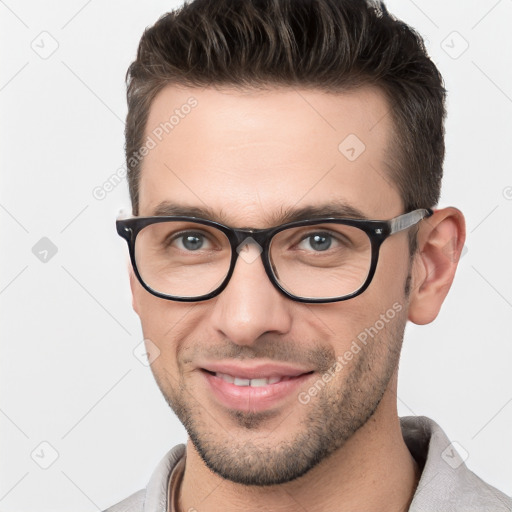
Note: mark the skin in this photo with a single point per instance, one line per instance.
(245, 155)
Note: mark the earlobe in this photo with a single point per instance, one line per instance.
(440, 242)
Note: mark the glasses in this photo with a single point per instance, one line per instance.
(316, 261)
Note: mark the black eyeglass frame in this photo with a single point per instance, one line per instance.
(377, 230)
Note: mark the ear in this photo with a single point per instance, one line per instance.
(440, 242)
(134, 285)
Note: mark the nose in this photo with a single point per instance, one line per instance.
(250, 305)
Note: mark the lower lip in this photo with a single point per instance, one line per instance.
(254, 399)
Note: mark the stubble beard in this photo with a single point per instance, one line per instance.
(328, 420)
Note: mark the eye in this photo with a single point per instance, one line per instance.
(317, 241)
(190, 241)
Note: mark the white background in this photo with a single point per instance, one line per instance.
(68, 373)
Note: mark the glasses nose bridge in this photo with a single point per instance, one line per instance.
(243, 237)
(260, 236)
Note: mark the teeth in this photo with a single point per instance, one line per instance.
(259, 382)
(238, 381)
(226, 377)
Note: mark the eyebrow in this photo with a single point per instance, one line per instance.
(283, 216)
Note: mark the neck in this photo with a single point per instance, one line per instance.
(373, 470)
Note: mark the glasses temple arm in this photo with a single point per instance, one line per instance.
(407, 220)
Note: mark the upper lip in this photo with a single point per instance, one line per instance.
(259, 370)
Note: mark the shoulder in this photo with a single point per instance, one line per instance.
(134, 503)
(154, 496)
(446, 483)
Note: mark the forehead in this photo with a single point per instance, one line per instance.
(250, 155)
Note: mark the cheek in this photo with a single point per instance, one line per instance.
(163, 322)
(154, 314)
(382, 305)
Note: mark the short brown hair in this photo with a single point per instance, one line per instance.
(330, 45)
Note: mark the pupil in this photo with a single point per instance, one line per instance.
(192, 242)
(321, 242)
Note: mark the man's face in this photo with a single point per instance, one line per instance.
(249, 156)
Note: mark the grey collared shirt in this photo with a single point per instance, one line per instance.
(446, 484)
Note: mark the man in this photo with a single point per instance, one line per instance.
(285, 161)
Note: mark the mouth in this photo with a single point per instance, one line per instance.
(256, 388)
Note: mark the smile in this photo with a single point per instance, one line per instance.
(250, 389)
